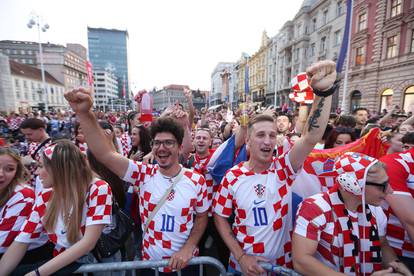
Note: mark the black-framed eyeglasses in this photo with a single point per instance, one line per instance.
(168, 143)
(384, 185)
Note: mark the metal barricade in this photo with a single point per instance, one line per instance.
(279, 270)
(125, 266)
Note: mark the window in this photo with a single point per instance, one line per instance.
(337, 38)
(362, 21)
(296, 54)
(412, 41)
(395, 7)
(323, 44)
(360, 56)
(312, 50)
(25, 84)
(355, 99)
(325, 17)
(314, 24)
(339, 8)
(17, 83)
(408, 98)
(386, 99)
(392, 46)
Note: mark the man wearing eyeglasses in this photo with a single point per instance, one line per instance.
(343, 230)
(399, 206)
(177, 226)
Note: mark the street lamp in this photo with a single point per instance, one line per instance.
(36, 20)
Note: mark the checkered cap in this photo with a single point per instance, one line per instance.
(352, 169)
(302, 91)
(48, 152)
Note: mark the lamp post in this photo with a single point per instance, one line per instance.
(36, 20)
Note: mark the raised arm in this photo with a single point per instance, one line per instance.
(191, 110)
(322, 77)
(81, 101)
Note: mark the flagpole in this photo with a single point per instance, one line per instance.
(345, 89)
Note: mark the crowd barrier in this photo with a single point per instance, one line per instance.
(200, 261)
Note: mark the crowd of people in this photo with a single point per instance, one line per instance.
(317, 192)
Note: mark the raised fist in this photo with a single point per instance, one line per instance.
(322, 75)
(80, 100)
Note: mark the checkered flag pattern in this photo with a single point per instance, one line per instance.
(97, 210)
(49, 151)
(302, 92)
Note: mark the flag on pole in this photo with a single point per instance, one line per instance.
(246, 79)
(123, 88)
(89, 72)
(345, 38)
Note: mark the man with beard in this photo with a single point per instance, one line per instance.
(259, 191)
(283, 124)
(174, 230)
(361, 117)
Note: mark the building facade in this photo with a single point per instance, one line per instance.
(108, 48)
(106, 89)
(258, 72)
(168, 96)
(65, 64)
(315, 33)
(382, 56)
(221, 83)
(24, 93)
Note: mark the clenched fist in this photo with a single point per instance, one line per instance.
(80, 100)
(322, 74)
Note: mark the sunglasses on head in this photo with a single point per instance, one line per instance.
(384, 185)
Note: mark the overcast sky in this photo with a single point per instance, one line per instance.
(170, 41)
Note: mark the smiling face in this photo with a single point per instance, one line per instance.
(8, 170)
(202, 141)
(262, 141)
(166, 150)
(282, 124)
(135, 140)
(44, 175)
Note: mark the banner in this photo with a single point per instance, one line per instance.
(89, 72)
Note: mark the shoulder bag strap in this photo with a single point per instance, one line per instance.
(39, 147)
(163, 199)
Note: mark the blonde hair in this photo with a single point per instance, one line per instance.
(18, 177)
(71, 176)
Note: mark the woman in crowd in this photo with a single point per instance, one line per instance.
(72, 209)
(141, 143)
(80, 141)
(16, 202)
(340, 136)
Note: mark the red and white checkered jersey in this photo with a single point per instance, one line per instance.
(14, 213)
(97, 210)
(261, 204)
(200, 166)
(315, 221)
(400, 170)
(14, 123)
(124, 143)
(172, 224)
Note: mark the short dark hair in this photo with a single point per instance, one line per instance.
(408, 138)
(168, 124)
(285, 115)
(33, 123)
(359, 109)
(260, 118)
(346, 121)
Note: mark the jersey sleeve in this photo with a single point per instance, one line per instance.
(137, 172)
(283, 168)
(32, 228)
(223, 198)
(100, 204)
(202, 201)
(15, 213)
(310, 220)
(397, 175)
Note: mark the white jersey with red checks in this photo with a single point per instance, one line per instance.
(400, 170)
(315, 221)
(14, 213)
(124, 144)
(200, 166)
(261, 204)
(97, 210)
(172, 224)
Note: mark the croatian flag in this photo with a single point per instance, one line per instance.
(345, 38)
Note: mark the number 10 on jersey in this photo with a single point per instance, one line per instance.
(167, 223)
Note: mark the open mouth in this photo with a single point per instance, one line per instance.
(163, 156)
(266, 150)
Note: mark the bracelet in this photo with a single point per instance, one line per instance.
(328, 92)
(238, 260)
(37, 272)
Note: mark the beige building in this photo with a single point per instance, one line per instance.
(315, 33)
